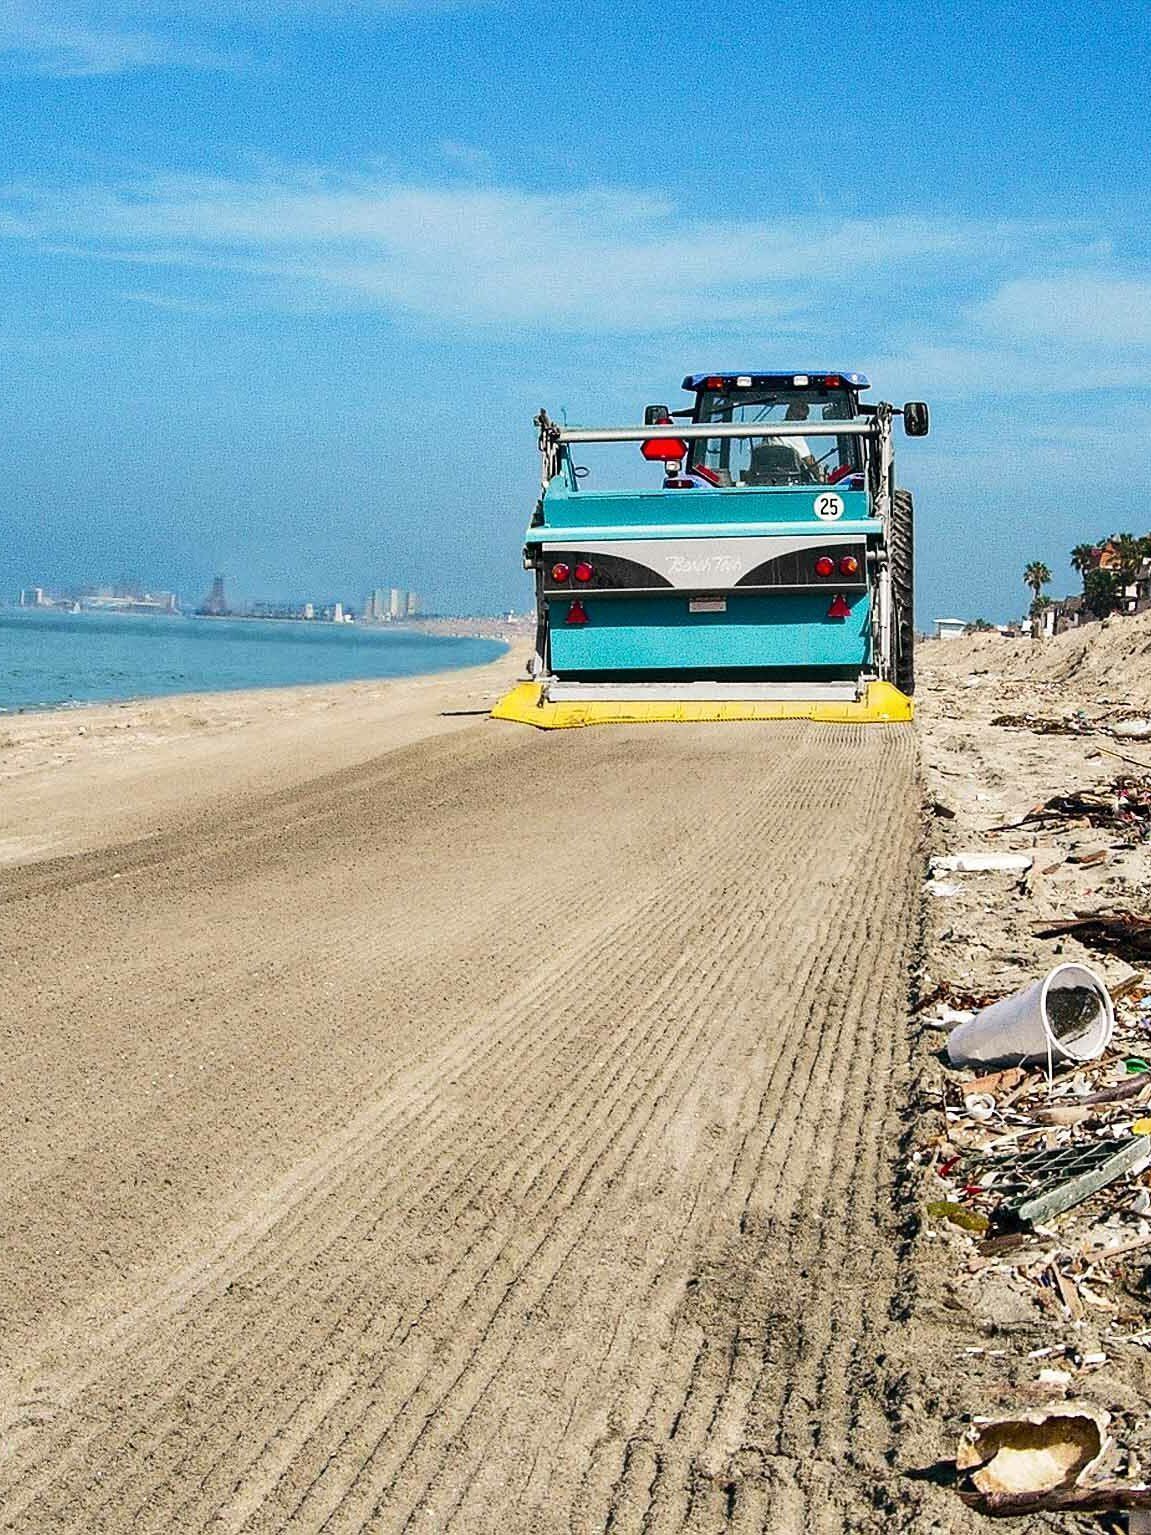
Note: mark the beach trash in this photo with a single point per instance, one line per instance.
(1035, 1452)
(1067, 1015)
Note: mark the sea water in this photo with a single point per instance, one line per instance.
(49, 660)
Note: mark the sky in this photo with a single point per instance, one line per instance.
(286, 282)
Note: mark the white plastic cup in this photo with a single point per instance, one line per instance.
(1027, 1026)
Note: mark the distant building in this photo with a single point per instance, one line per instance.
(413, 604)
(397, 603)
(950, 628)
(33, 597)
(215, 604)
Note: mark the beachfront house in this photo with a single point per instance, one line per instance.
(950, 628)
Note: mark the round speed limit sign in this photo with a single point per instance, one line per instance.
(829, 506)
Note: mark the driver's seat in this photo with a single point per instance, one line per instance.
(774, 463)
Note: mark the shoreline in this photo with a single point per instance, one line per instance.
(489, 630)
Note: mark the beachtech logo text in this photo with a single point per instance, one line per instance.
(704, 565)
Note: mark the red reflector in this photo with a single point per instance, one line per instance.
(832, 381)
(713, 383)
(577, 614)
(560, 572)
(666, 449)
(849, 565)
(824, 565)
(839, 607)
(583, 571)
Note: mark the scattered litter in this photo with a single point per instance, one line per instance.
(1066, 1014)
(1097, 855)
(942, 888)
(1044, 725)
(1130, 730)
(1038, 1185)
(983, 863)
(1114, 932)
(1034, 1452)
(957, 1215)
(979, 1106)
(1059, 1378)
(995, 1082)
(1124, 806)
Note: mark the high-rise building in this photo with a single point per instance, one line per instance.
(397, 603)
(215, 603)
(413, 604)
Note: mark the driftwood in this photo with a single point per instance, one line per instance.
(1103, 1498)
(1115, 932)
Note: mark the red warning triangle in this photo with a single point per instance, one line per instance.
(577, 613)
(839, 607)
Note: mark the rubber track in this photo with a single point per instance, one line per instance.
(540, 1176)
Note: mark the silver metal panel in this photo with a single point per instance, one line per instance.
(560, 692)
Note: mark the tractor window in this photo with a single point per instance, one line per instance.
(777, 460)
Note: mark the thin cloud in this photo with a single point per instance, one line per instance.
(1075, 308)
(479, 254)
(78, 40)
(51, 41)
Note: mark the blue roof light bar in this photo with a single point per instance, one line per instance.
(779, 376)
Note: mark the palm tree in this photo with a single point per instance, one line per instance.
(1084, 557)
(1036, 576)
(1128, 556)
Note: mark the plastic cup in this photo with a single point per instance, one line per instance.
(1067, 1015)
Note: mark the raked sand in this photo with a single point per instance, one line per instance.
(416, 1121)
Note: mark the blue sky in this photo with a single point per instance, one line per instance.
(286, 281)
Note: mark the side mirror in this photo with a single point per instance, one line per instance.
(655, 415)
(916, 419)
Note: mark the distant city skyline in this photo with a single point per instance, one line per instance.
(380, 605)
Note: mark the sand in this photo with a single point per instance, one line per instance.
(413, 1121)
(76, 779)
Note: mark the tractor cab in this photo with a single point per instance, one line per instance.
(767, 401)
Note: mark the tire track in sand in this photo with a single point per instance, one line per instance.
(566, 1265)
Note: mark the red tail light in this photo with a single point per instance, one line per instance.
(849, 565)
(824, 565)
(561, 572)
(577, 614)
(839, 607)
(583, 571)
(666, 449)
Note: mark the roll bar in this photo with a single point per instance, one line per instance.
(852, 428)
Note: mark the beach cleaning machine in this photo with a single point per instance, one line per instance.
(769, 575)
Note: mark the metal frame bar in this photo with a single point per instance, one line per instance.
(854, 428)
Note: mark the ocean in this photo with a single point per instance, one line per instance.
(49, 660)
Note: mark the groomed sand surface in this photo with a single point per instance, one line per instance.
(426, 1123)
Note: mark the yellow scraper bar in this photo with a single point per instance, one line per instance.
(881, 704)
